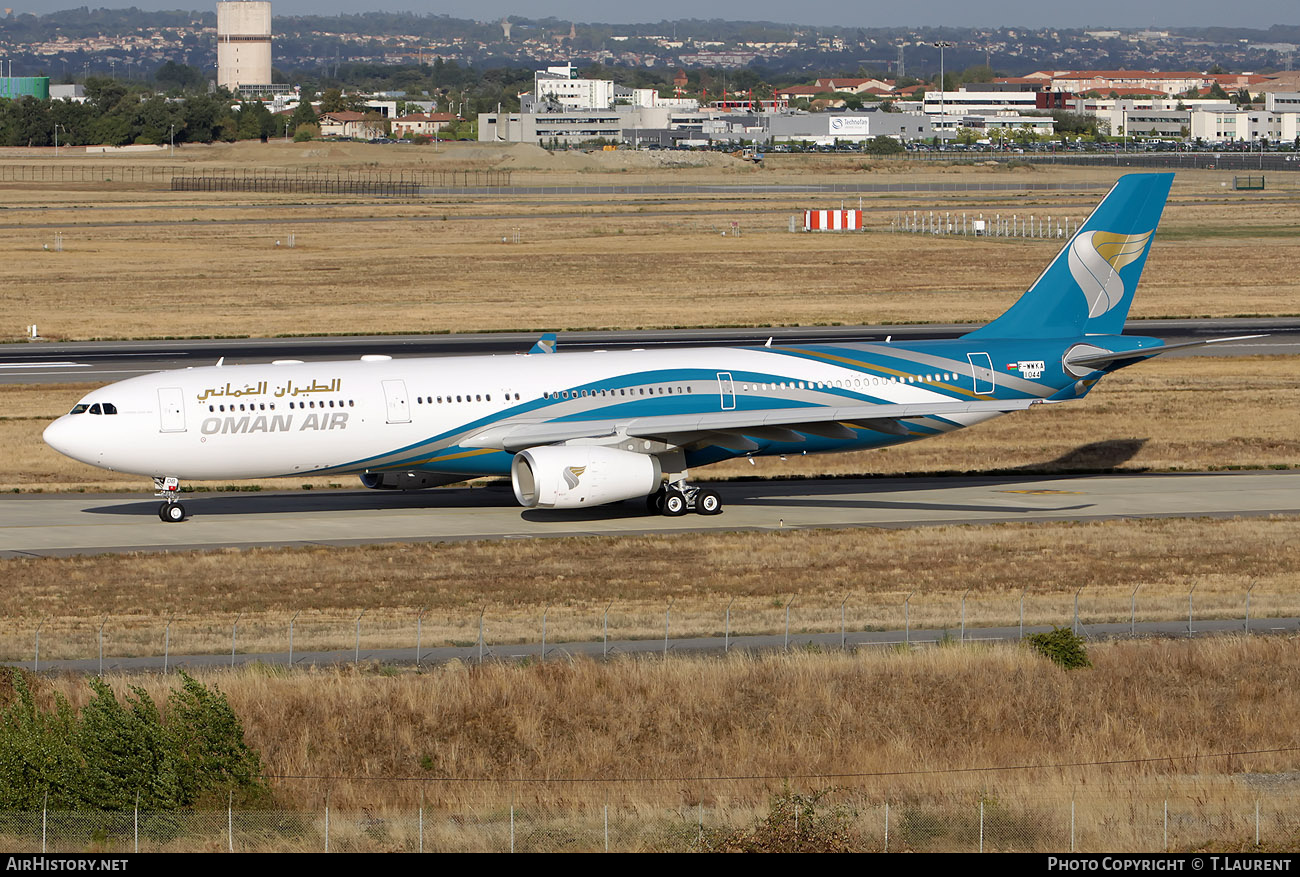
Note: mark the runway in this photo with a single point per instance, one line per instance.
(104, 361)
(33, 525)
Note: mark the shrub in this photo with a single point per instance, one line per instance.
(1063, 646)
(190, 753)
(794, 823)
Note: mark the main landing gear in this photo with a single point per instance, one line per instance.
(677, 498)
(171, 511)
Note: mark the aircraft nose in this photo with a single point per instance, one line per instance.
(66, 437)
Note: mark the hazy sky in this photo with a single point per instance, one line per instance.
(960, 13)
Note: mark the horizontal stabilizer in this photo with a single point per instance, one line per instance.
(545, 344)
(1111, 356)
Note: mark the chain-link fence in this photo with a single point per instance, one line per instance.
(1093, 824)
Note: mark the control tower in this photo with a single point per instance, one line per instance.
(244, 45)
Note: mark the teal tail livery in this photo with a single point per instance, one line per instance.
(578, 429)
(1089, 286)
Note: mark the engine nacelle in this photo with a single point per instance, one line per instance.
(576, 476)
(407, 480)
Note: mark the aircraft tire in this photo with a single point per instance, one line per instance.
(707, 502)
(674, 504)
(654, 503)
(171, 512)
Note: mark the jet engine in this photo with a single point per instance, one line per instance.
(407, 480)
(576, 476)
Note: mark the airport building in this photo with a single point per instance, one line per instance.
(25, 86)
(244, 47)
(831, 129)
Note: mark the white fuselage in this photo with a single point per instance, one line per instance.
(273, 420)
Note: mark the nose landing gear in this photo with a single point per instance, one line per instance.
(171, 511)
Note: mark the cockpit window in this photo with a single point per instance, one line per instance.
(95, 409)
(110, 408)
(79, 408)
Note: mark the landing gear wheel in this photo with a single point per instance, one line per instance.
(708, 502)
(674, 504)
(654, 503)
(171, 512)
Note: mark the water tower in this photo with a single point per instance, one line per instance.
(243, 43)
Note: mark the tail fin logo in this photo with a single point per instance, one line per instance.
(1095, 262)
(572, 474)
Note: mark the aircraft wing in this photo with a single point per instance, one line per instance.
(735, 429)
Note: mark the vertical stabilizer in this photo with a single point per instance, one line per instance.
(1088, 287)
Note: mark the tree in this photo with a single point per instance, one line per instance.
(173, 77)
(332, 101)
(117, 752)
(883, 145)
(37, 758)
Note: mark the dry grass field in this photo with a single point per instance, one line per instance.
(576, 581)
(946, 726)
(139, 262)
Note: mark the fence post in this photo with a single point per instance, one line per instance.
(1189, 609)
(1166, 846)
(356, 655)
(102, 621)
(480, 635)
(1071, 825)
(981, 825)
(136, 821)
(843, 641)
(607, 827)
(45, 809)
(418, 624)
(787, 624)
(1248, 590)
(963, 614)
(886, 826)
(420, 823)
(726, 631)
(291, 621)
(1022, 612)
(234, 632)
(327, 822)
(668, 615)
(512, 826)
(167, 642)
(604, 651)
(230, 822)
(544, 614)
(907, 620)
(1133, 610)
(36, 663)
(1076, 609)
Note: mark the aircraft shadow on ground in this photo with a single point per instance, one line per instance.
(1097, 456)
(830, 493)
(323, 501)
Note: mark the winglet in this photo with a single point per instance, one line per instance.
(545, 344)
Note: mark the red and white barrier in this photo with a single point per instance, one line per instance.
(832, 220)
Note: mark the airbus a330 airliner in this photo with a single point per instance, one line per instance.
(582, 429)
